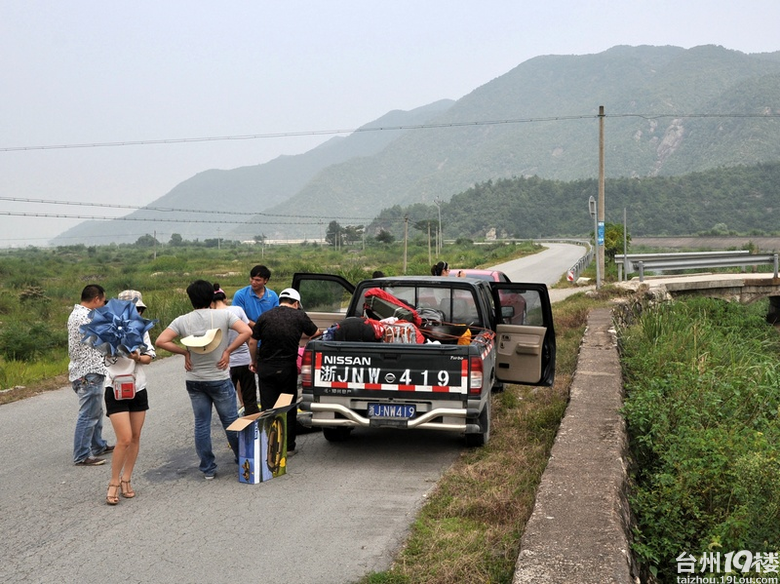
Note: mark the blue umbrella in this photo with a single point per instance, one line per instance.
(116, 328)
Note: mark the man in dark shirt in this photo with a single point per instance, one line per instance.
(279, 331)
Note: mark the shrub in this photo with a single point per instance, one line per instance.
(701, 380)
(27, 341)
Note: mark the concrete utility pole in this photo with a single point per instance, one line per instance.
(438, 203)
(600, 234)
(406, 238)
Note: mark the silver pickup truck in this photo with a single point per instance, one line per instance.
(459, 338)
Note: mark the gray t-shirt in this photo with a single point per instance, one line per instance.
(197, 322)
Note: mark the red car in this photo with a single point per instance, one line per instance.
(489, 275)
(516, 301)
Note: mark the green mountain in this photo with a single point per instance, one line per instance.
(653, 98)
(668, 111)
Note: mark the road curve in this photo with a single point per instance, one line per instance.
(342, 510)
(547, 266)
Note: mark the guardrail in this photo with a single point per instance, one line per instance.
(691, 261)
(574, 272)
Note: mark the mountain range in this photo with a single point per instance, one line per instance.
(669, 111)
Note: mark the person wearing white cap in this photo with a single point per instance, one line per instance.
(127, 415)
(279, 331)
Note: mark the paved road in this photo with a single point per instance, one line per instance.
(547, 267)
(340, 512)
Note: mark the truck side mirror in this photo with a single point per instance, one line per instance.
(507, 312)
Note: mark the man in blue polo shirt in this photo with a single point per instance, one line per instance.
(256, 299)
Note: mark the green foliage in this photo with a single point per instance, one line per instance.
(146, 241)
(385, 236)
(613, 239)
(703, 392)
(27, 341)
(721, 201)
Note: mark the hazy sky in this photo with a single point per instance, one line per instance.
(97, 72)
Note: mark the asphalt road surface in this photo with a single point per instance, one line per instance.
(341, 511)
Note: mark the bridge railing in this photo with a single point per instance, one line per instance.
(691, 261)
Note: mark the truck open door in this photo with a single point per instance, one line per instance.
(525, 336)
(324, 297)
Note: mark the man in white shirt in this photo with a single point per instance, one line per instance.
(87, 373)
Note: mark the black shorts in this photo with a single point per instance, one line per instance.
(140, 403)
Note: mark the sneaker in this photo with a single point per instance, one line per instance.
(210, 477)
(89, 461)
(292, 452)
(107, 450)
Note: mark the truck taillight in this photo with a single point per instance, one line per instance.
(475, 372)
(306, 371)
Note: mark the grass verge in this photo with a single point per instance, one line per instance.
(470, 527)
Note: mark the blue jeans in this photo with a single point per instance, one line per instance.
(222, 395)
(88, 438)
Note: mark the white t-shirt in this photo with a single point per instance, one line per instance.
(240, 356)
(139, 370)
(197, 322)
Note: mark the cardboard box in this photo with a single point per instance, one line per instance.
(262, 442)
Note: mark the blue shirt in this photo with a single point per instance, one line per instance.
(252, 305)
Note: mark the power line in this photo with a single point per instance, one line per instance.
(169, 209)
(279, 134)
(161, 220)
(430, 126)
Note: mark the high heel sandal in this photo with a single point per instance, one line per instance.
(112, 499)
(127, 491)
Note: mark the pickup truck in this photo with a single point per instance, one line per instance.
(462, 348)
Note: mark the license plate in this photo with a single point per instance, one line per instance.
(398, 411)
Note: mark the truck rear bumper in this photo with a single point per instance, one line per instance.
(337, 415)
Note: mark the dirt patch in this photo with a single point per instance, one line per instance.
(23, 392)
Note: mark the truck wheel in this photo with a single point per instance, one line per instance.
(337, 434)
(482, 437)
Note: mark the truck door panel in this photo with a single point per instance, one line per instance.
(519, 353)
(525, 336)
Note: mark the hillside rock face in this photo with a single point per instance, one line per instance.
(669, 111)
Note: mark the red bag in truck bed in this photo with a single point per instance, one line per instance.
(385, 305)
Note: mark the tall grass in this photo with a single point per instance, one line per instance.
(701, 378)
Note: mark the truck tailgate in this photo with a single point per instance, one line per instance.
(358, 369)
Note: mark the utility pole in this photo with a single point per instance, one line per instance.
(600, 234)
(429, 242)
(406, 238)
(437, 202)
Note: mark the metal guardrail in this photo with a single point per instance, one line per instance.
(574, 272)
(691, 261)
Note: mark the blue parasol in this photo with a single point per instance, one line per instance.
(116, 328)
